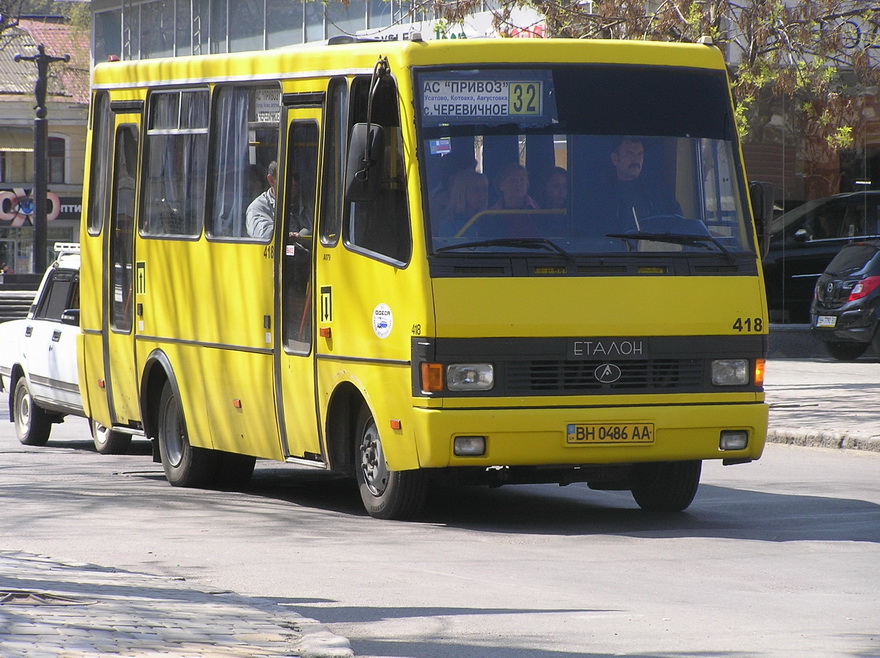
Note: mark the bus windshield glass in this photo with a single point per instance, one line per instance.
(580, 160)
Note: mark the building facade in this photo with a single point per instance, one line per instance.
(67, 104)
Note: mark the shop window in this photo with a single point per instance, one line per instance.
(12, 166)
(56, 159)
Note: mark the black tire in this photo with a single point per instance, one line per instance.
(32, 424)
(666, 487)
(184, 465)
(846, 351)
(386, 494)
(109, 442)
(234, 471)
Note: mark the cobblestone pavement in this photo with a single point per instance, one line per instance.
(50, 609)
(819, 402)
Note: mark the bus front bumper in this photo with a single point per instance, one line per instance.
(577, 436)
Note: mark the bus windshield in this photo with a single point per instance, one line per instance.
(580, 160)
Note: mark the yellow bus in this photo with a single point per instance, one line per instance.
(483, 261)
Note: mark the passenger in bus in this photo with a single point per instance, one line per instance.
(451, 164)
(631, 196)
(468, 195)
(554, 189)
(553, 198)
(512, 185)
(260, 217)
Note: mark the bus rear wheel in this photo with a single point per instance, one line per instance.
(386, 494)
(109, 442)
(666, 487)
(32, 424)
(184, 465)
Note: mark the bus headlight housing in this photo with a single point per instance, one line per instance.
(730, 372)
(470, 377)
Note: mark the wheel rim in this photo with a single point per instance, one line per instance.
(174, 441)
(373, 467)
(23, 415)
(102, 434)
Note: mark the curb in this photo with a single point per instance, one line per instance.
(824, 439)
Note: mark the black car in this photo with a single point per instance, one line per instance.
(846, 305)
(804, 240)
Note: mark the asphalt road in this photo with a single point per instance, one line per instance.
(778, 557)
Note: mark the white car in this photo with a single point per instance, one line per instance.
(38, 359)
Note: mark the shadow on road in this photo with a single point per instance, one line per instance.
(718, 511)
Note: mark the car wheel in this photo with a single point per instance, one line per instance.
(666, 487)
(184, 465)
(32, 424)
(845, 351)
(109, 442)
(386, 494)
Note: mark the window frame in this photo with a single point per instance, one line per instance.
(192, 145)
(215, 161)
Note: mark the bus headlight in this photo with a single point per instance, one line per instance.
(730, 372)
(470, 377)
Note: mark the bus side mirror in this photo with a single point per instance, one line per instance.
(365, 150)
(761, 194)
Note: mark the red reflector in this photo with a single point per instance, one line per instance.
(236, 403)
(396, 424)
(101, 383)
(324, 332)
(864, 288)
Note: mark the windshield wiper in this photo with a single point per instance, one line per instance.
(525, 243)
(677, 238)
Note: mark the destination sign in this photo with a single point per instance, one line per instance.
(506, 98)
(482, 98)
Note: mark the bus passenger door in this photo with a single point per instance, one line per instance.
(118, 324)
(295, 370)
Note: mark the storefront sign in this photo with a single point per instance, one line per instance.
(17, 207)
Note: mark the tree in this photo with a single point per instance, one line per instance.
(10, 12)
(821, 57)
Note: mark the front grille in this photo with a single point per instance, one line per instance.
(549, 377)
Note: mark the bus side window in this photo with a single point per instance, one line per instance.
(332, 185)
(177, 163)
(102, 152)
(381, 226)
(245, 131)
(121, 227)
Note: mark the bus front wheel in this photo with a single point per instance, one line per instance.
(184, 465)
(386, 494)
(32, 424)
(666, 487)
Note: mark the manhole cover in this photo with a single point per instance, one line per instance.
(30, 597)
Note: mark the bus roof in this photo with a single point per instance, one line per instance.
(323, 59)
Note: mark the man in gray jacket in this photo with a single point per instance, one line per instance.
(260, 218)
